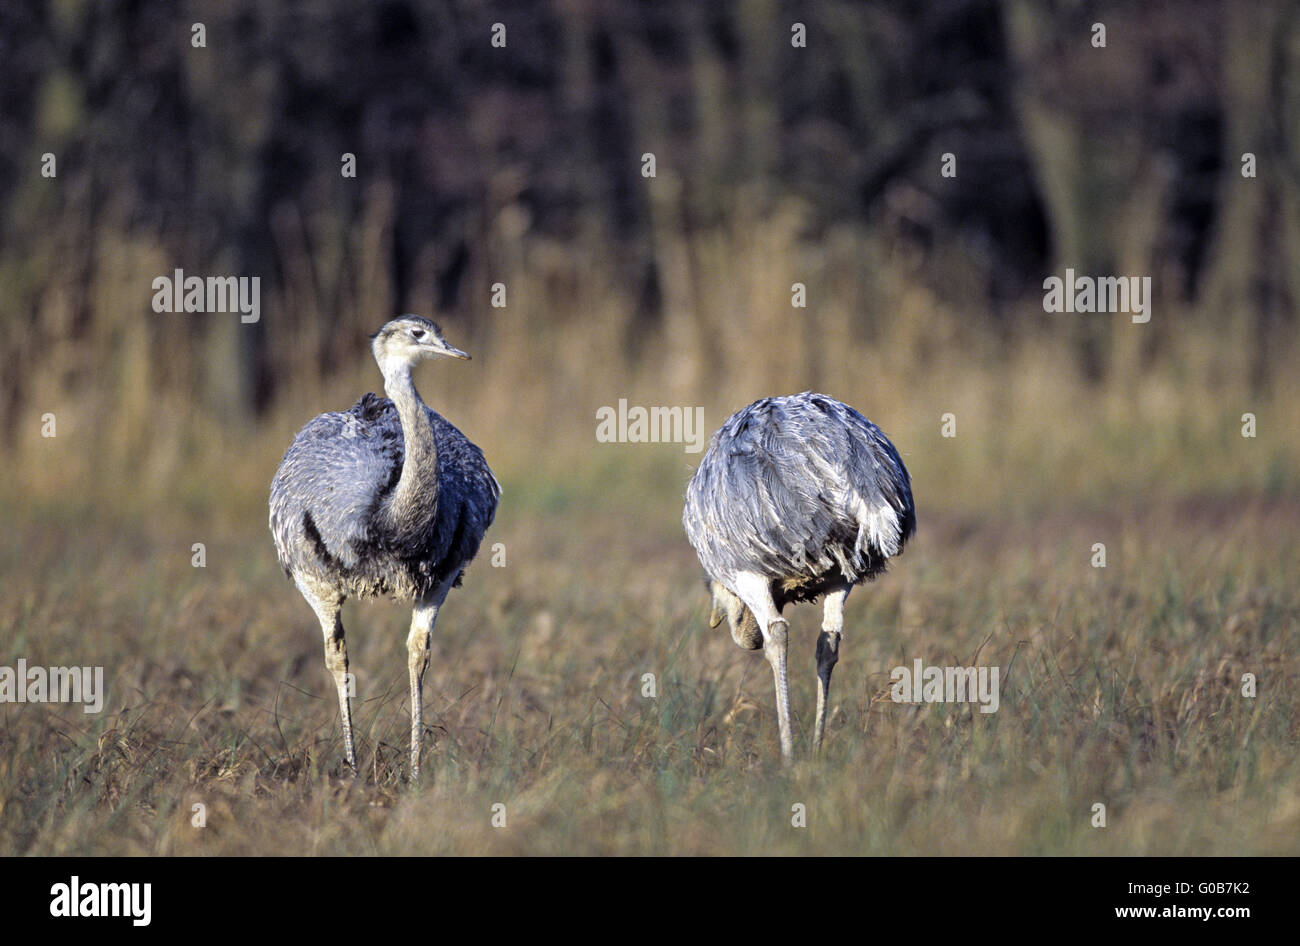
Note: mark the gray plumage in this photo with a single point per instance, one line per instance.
(329, 498)
(797, 497)
(386, 498)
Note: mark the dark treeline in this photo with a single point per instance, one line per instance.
(472, 159)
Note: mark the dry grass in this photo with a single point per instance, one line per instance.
(1120, 686)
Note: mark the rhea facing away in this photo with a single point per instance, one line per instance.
(386, 498)
(798, 497)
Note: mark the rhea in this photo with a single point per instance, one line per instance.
(796, 498)
(386, 498)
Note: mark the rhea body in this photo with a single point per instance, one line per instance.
(797, 498)
(386, 498)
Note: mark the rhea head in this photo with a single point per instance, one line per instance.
(744, 628)
(408, 340)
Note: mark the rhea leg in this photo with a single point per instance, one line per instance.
(328, 607)
(417, 659)
(756, 592)
(828, 652)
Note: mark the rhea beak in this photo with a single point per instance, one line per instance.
(448, 350)
(716, 609)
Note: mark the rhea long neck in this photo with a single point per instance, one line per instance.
(415, 498)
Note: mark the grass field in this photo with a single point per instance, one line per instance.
(672, 204)
(1120, 686)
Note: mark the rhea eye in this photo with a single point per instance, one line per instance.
(417, 333)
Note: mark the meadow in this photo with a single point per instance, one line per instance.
(667, 204)
(1120, 685)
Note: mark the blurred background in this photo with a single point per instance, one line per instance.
(522, 165)
(793, 143)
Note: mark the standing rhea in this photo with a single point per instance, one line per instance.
(797, 497)
(386, 498)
